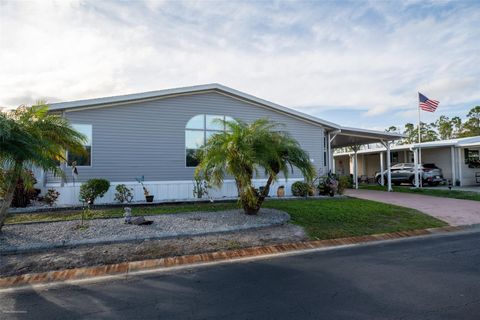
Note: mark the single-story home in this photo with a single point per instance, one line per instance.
(153, 134)
(459, 159)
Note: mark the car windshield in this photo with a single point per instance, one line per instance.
(430, 165)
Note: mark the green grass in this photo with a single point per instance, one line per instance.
(322, 219)
(456, 194)
(335, 218)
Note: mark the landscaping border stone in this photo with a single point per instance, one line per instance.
(130, 268)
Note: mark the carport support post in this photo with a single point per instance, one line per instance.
(355, 166)
(452, 159)
(415, 161)
(389, 171)
(382, 178)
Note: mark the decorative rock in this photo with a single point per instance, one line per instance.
(58, 234)
(140, 221)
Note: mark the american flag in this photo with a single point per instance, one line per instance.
(427, 104)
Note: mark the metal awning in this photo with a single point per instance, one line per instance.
(348, 137)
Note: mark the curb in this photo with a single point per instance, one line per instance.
(126, 268)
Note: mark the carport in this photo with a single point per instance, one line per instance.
(354, 138)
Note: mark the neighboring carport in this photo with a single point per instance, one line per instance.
(354, 138)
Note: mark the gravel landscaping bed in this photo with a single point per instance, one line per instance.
(37, 236)
(101, 254)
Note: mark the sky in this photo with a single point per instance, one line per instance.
(356, 63)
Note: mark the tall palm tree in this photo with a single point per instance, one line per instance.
(246, 149)
(32, 137)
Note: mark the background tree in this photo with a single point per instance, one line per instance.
(31, 137)
(471, 126)
(245, 150)
(445, 128)
(392, 129)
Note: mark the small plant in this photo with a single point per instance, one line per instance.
(328, 185)
(344, 182)
(123, 194)
(51, 197)
(301, 189)
(93, 189)
(200, 187)
(86, 214)
(148, 197)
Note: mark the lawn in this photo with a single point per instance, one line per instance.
(456, 194)
(322, 219)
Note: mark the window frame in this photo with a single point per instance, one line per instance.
(204, 130)
(91, 148)
(469, 162)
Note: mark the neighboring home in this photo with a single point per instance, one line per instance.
(459, 159)
(154, 134)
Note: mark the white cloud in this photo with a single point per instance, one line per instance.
(313, 56)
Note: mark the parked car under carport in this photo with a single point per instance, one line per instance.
(405, 173)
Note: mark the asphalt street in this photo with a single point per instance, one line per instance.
(430, 278)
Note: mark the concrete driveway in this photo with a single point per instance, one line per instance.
(455, 212)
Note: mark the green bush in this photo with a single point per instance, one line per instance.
(301, 189)
(93, 189)
(123, 194)
(344, 182)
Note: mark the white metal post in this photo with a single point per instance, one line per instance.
(460, 163)
(330, 154)
(355, 167)
(364, 166)
(415, 160)
(389, 171)
(382, 177)
(452, 159)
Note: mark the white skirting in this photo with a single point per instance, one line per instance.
(165, 190)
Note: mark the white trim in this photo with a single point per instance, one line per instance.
(165, 190)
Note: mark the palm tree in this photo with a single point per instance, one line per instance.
(246, 149)
(32, 137)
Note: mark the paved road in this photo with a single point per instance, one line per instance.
(433, 278)
(455, 212)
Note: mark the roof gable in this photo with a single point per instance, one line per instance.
(162, 94)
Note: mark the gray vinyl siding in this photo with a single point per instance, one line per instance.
(148, 138)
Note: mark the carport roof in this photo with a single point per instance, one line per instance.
(460, 142)
(347, 137)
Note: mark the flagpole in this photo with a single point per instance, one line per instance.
(419, 158)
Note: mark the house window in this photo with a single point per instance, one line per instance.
(82, 159)
(197, 131)
(394, 157)
(472, 158)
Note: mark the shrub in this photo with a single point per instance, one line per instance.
(200, 187)
(51, 197)
(93, 189)
(344, 182)
(123, 194)
(301, 189)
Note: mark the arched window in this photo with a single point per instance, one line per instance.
(197, 131)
